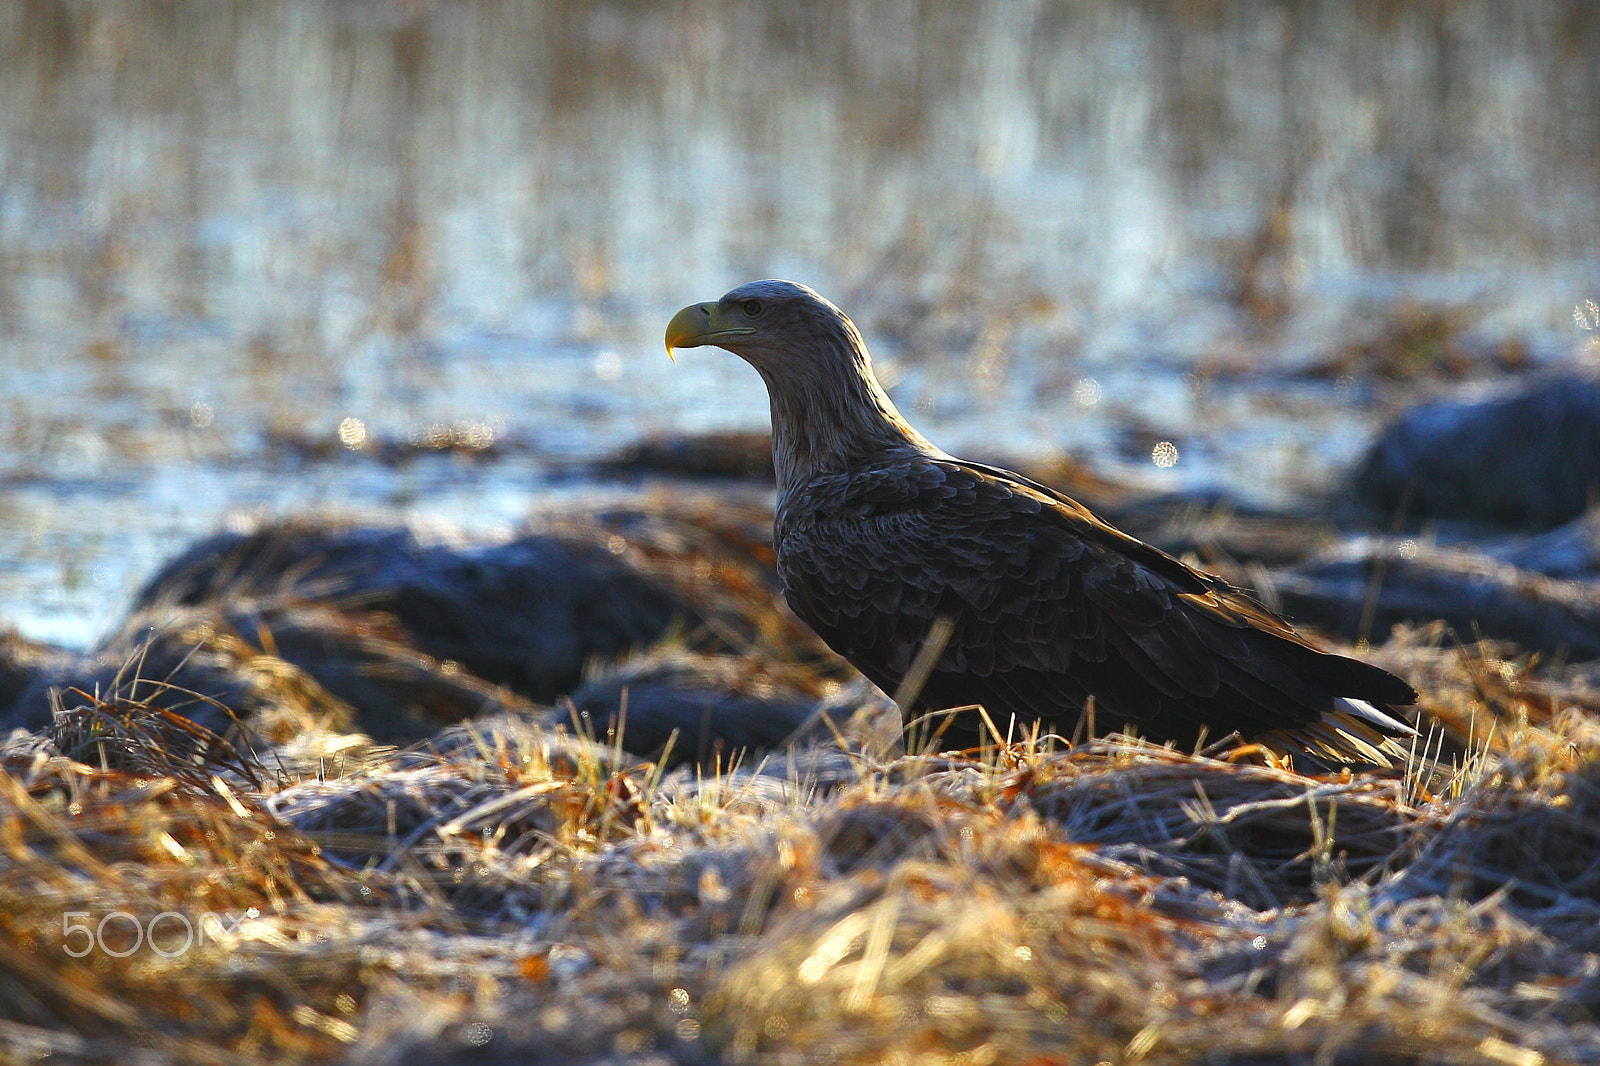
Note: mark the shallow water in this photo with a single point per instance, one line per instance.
(1126, 231)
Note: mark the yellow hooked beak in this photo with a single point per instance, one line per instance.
(700, 324)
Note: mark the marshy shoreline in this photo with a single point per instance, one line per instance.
(397, 674)
(348, 793)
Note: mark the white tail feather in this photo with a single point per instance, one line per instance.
(1367, 712)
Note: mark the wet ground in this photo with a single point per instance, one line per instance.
(415, 260)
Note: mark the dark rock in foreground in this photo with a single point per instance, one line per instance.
(1530, 460)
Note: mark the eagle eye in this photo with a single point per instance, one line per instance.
(752, 308)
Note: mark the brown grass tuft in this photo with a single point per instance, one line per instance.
(511, 891)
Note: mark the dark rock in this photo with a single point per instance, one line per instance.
(525, 613)
(719, 707)
(740, 455)
(1530, 460)
(277, 668)
(528, 613)
(1405, 582)
(22, 663)
(1219, 530)
(299, 625)
(1569, 551)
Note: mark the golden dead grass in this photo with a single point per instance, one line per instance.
(511, 893)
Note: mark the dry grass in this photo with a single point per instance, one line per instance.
(511, 893)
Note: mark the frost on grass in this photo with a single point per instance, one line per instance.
(216, 851)
(510, 892)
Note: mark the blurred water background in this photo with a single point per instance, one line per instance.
(414, 259)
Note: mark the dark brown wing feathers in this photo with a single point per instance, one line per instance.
(1050, 607)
